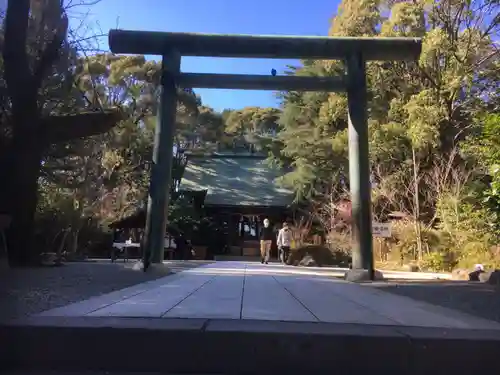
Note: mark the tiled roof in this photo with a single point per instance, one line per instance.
(235, 181)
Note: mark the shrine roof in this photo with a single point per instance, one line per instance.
(235, 180)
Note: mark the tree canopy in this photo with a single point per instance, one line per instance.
(434, 128)
(427, 119)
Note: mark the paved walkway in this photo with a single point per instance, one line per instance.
(238, 290)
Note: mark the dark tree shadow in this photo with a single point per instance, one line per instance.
(479, 299)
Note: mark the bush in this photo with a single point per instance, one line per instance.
(403, 244)
(478, 252)
(319, 256)
(340, 246)
(339, 242)
(444, 249)
(438, 261)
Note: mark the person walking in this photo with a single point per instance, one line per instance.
(266, 239)
(284, 242)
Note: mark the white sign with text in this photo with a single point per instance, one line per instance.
(381, 229)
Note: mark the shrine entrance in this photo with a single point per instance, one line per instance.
(354, 51)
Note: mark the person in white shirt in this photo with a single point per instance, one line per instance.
(284, 242)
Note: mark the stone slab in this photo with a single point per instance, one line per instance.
(284, 329)
(467, 321)
(403, 310)
(83, 322)
(157, 301)
(327, 306)
(94, 303)
(409, 312)
(96, 372)
(98, 302)
(306, 328)
(195, 346)
(461, 348)
(221, 298)
(238, 290)
(265, 299)
(120, 348)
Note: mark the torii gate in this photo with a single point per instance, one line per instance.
(354, 51)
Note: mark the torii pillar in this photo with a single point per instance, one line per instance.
(354, 51)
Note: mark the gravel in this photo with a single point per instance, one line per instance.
(29, 291)
(474, 298)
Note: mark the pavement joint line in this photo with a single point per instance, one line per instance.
(205, 324)
(145, 284)
(343, 296)
(189, 295)
(367, 307)
(243, 291)
(296, 299)
(175, 276)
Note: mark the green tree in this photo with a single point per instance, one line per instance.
(422, 98)
(106, 176)
(254, 120)
(30, 27)
(419, 112)
(484, 148)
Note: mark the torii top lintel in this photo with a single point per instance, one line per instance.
(259, 46)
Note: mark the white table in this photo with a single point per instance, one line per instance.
(169, 246)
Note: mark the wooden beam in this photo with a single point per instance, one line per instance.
(260, 82)
(259, 46)
(64, 128)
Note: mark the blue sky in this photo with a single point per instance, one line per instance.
(285, 17)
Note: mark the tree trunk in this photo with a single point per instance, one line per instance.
(60, 248)
(416, 211)
(74, 244)
(23, 197)
(30, 133)
(25, 148)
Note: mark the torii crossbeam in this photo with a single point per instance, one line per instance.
(354, 51)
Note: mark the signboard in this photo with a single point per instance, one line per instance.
(381, 229)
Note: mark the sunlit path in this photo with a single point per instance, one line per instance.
(236, 267)
(251, 291)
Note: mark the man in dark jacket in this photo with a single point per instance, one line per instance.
(266, 237)
(181, 247)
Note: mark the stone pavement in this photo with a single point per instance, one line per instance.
(248, 318)
(251, 291)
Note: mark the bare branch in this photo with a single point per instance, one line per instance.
(51, 52)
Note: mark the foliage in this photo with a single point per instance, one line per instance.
(38, 68)
(321, 255)
(483, 146)
(434, 132)
(437, 261)
(184, 216)
(253, 120)
(340, 244)
(433, 128)
(89, 182)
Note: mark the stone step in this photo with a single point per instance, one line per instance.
(197, 346)
(102, 372)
